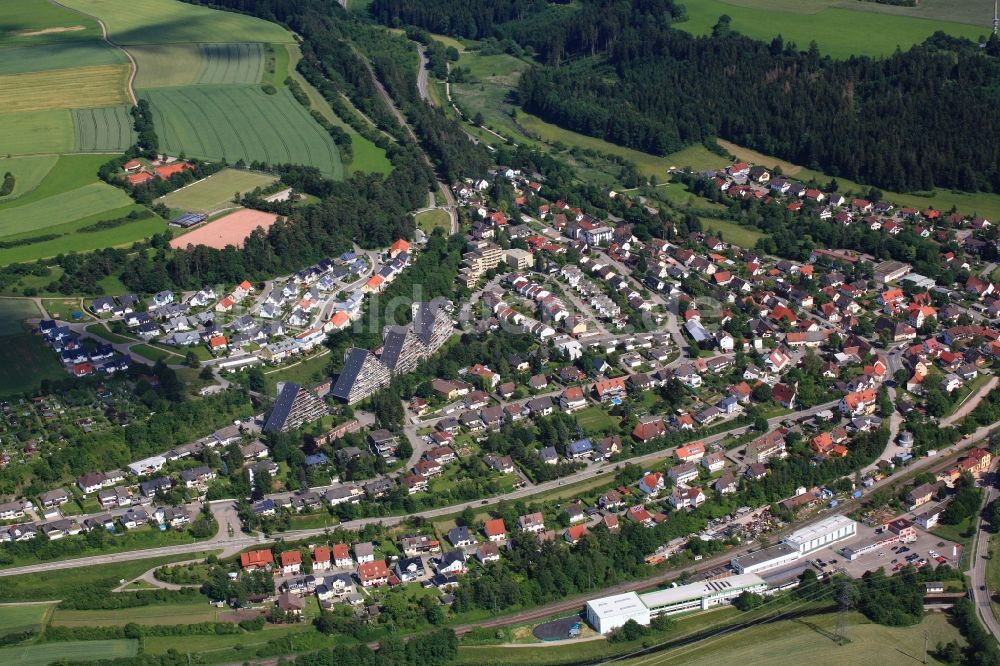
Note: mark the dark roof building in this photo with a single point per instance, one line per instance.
(294, 407)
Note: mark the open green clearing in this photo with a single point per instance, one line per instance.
(169, 21)
(15, 618)
(47, 653)
(216, 191)
(970, 203)
(367, 157)
(101, 330)
(61, 208)
(241, 122)
(773, 643)
(71, 239)
(104, 129)
(65, 55)
(732, 232)
(20, 18)
(28, 173)
(839, 32)
(241, 644)
(186, 613)
(154, 354)
(430, 220)
(594, 419)
(36, 132)
(25, 360)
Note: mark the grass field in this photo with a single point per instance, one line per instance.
(368, 157)
(100, 85)
(105, 129)
(28, 173)
(69, 173)
(47, 653)
(433, 219)
(154, 354)
(732, 232)
(61, 208)
(241, 122)
(216, 191)
(187, 613)
(25, 360)
(66, 55)
(239, 642)
(166, 65)
(35, 132)
(231, 63)
(980, 203)
(595, 419)
(69, 241)
(170, 21)
(839, 32)
(33, 22)
(773, 643)
(16, 618)
(13, 312)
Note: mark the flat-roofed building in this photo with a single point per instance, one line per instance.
(608, 613)
(702, 595)
(821, 533)
(765, 559)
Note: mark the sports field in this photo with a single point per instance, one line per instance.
(215, 192)
(101, 85)
(840, 31)
(46, 653)
(241, 122)
(230, 229)
(104, 129)
(59, 56)
(171, 21)
(32, 22)
(28, 173)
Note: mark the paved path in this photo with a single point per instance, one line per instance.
(970, 403)
(981, 594)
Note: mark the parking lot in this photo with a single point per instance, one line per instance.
(887, 557)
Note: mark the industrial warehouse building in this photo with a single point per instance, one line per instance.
(609, 613)
(797, 544)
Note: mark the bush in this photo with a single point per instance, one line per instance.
(269, 89)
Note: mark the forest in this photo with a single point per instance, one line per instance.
(924, 118)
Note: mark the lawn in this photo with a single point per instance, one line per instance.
(47, 653)
(59, 56)
(240, 643)
(305, 372)
(171, 21)
(61, 208)
(433, 219)
(155, 354)
(773, 643)
(56, 584)
(186, 613)
(367, 157)
(241, 122)
(15, 618)
(215, 192)
(102, 331)
(69, 240)
(98, 85)
(731, 232)
(839, 32)
(104, 129)
(28, 173)
(595, 419)
(36, 132)
(33, 22)
(974, 203)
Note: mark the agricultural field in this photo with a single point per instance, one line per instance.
(15, 618)
(28, 173)
(45, 653)
(172, 65)
(215, 192)
(61, 208)
(25, 360)
(241, 122)
(239, 644)
(170, 21)
(104, 129)
(67, 55)
(186, 613)
(231, 64)
(33, 22)
(36, 132)
(101, 85)
(837, 28)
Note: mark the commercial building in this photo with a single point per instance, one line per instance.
(701, 595)
(608, 613)
(765, 559)
(821, 533)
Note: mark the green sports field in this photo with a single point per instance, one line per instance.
(171, 21)
(241, 122)
(103, 129)
(46, 653)
(28, 173)
(215, 192)
(840, 31)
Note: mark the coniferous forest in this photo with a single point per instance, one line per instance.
(620, 70)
